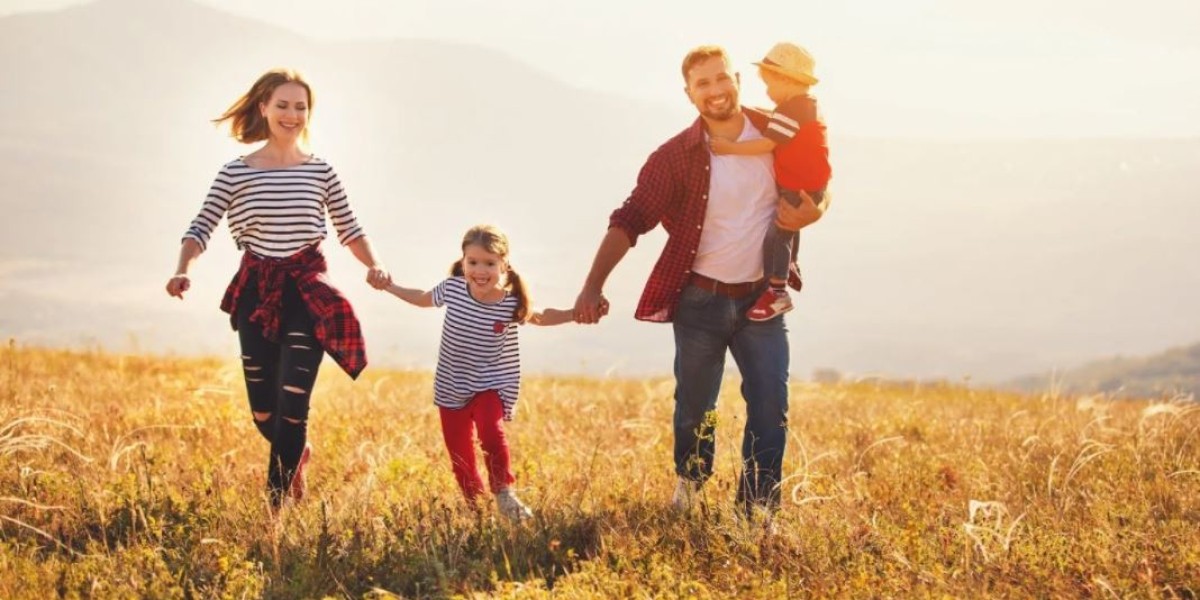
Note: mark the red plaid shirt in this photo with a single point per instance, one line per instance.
(336, 326)
(672, 189)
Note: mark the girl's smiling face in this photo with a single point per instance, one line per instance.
(484, 272)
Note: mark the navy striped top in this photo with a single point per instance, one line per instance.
(479, 349)
(276, 212)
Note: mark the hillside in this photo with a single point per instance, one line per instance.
(140, 476)
(939, 258)
(1170, 373)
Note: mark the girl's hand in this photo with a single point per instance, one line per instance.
(378, 277)
(178, 284)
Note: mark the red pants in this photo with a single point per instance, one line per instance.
(484, 412)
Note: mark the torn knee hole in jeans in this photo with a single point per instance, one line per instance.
(294, 421)
(295, 390)
(304, 369)
(254, 380)
(299, 347)
(261, 416)
(298, 334)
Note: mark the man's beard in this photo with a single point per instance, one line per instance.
(730, 111)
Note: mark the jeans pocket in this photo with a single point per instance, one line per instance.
(695, 297)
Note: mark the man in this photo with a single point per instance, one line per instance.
(716, 210)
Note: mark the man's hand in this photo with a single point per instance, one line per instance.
(590, 306)
(795, 218)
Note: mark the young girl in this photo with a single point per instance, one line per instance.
(479, 366)
(280, 302)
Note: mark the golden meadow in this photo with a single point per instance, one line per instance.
(142, 476)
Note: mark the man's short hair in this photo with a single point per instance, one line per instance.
(700, 54)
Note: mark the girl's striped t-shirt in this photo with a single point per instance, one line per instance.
(276, 212)
(479, 349)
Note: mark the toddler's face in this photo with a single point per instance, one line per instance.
(776, 93)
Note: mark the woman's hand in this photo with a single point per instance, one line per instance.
(178, 284)
(378, 277)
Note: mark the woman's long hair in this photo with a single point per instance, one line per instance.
(494, 241)
(246, 122)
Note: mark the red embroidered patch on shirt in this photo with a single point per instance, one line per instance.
(499, 326)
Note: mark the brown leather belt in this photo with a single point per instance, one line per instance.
(731, 290)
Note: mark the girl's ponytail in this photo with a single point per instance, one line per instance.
(518, 289)
(456, 269)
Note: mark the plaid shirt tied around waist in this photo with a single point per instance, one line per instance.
(336, 327)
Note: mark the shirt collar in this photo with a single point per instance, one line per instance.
(696, 135)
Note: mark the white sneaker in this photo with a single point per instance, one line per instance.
(684, 498)
(511, 507)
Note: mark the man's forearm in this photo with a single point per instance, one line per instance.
(612, 249)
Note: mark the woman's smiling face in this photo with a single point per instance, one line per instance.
(286, 112)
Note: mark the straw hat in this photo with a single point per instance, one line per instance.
(790, 60)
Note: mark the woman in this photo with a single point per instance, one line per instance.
(280, 302)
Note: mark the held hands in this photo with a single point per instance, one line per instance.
(590, 306)
(378, 277)
(178, 284)
(795, 218)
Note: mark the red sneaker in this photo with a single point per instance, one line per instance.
(299, 485)
(772, 303)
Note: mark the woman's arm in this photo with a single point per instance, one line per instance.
(377, 274)
(179, 283)
(551, 316)
(424, 299)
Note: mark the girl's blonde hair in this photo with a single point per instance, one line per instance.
(493, 240)
(246, 122)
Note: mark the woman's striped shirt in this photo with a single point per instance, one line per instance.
(276, 212)
(479, 350)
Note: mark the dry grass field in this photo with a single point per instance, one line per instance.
(141, 476)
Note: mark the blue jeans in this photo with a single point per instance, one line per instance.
(779, 245)
(706, 325)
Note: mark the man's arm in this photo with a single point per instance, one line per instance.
(589, 306)
(795, 218)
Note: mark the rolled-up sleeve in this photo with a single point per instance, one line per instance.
(213, 209)
(646, 205)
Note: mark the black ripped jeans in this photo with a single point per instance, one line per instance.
(279, 380)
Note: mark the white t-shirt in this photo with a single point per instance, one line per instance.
(742, 203)
(479, 349)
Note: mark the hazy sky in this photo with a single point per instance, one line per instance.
(954, 67)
